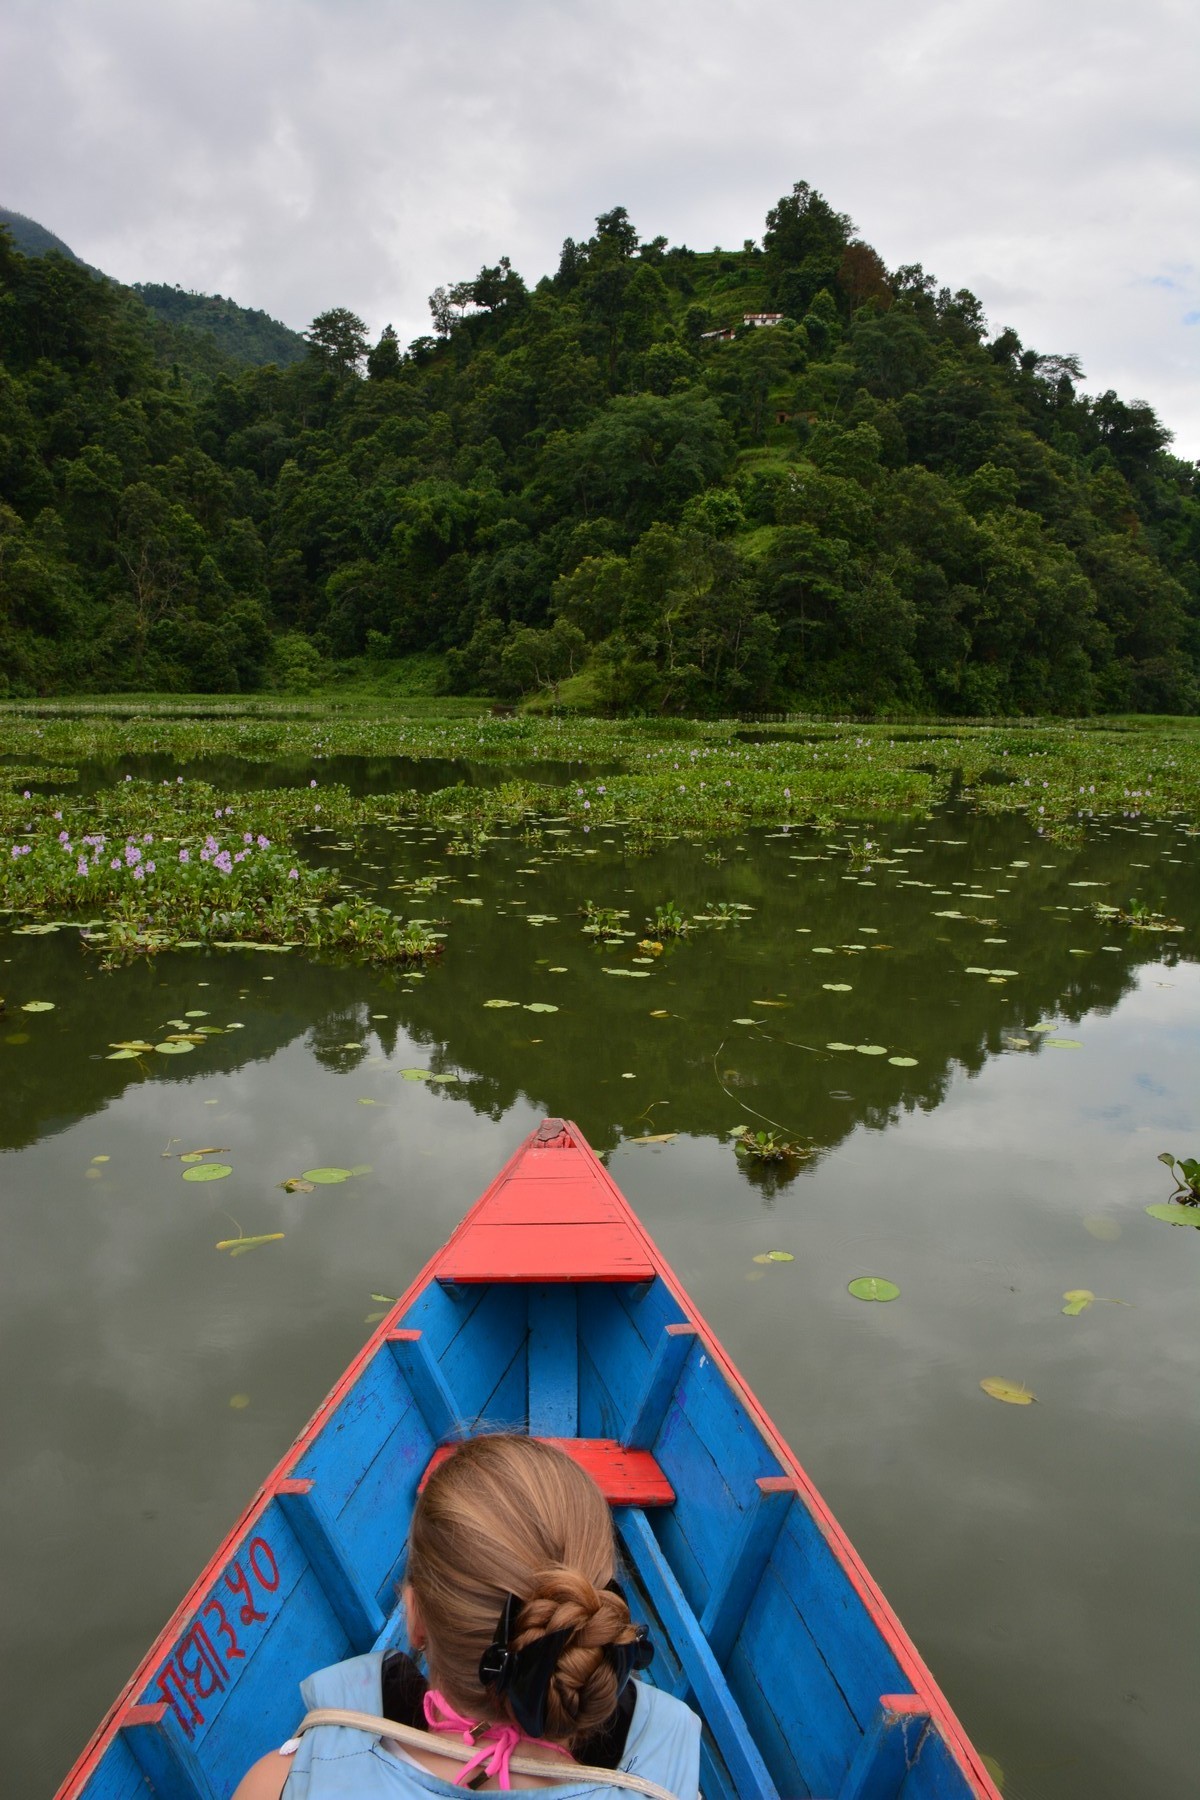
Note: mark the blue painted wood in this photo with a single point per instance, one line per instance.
(749, 1684)
(721, 1713)
(851, 1645)
(473, 1343)
(426, 1383)
(889, 1749)
(117, 1777)
(317, 1535)
(164, 1757)
(810, 1711)
(935, 1774)
(657, 1391)
(553, 1354)
(731, 1593)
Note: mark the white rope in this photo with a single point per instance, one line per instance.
(440, 1746)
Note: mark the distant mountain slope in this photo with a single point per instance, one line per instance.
(246, 334)
(33, 239)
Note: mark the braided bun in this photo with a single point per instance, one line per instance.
(511, 1515)
(583, 1689)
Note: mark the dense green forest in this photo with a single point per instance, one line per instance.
(610, 488)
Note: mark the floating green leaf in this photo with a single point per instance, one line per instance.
(239, 1402)
(447, 1077)
(837, 987)
(414, 1074)
(1078, 1300)
(294, 1185)
(327, 1177)
(208, 1172)
(540, 1006)
(1056, 1043)
(873, 1287)
(195, 1015)
(174, 1047)
(38, 1006)
(120, 1055)
(1174, 1214)
(238, 1246)
(369, 1103)
(361, 1168)
(871, 1049)
(634, 974)
(903, 1062)
(840, 1046)
(780, 1256)
(502, 1003)
(1011, 1392)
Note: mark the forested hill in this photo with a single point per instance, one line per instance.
(611, 486)
(244, 333)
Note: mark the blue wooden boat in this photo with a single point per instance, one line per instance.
(551, 1310)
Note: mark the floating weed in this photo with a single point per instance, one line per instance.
(208, 1172)
(774, 1256)
(837, 987)
(1078, 1300)
(873, 1287)
(1011, 1392)
(499, 1003)
(327, 1177)
(1057, 1043)
(38, 1006)
(238, 1246)
(296, 1184)
(661, 1137)
(1106, 1230)
(239, 1402)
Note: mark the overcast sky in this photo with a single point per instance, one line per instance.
(301, 154)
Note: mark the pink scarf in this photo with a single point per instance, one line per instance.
(496, 1742)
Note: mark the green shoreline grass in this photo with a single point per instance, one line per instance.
(227, 871)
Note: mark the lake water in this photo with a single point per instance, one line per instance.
(1043, 1557)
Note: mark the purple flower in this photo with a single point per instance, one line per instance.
(224, 862)
(241, 856)
(185, 856)
(81, 867)
(149, 838)
(132, 854)
(316, 809)
(28, 795)
(149, 868)
(58, 815)
(787, 793)
(293, 874)
(139, 874)
(312, 784)
(587, 806)
(115, 863)
(129, 778)
(247, 837)
(64, 837)
(263, 843)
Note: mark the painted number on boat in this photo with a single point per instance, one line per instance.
(198, 1667)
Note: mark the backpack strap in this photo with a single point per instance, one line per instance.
(524, 1765)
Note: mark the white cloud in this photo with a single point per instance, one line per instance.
(299, 154)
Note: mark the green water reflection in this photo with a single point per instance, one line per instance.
(1034, 1553)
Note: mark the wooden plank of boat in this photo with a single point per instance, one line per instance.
(550, 1309)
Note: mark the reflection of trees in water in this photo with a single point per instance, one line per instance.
(914, 995)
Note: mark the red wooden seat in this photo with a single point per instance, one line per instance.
(624, 1477)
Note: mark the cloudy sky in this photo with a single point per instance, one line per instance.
(300, 154)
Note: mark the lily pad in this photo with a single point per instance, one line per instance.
(837, 987)
(38, 1006)
(172, 1047)
(414, 1074)
(780, 1256)
(447, 1077)
(1078, 1300)
(239, 1402)
(326, 1177)
(633, 974)
(1175, 1214)
(660, 1012)
(903, 1062)
(121, 1056)
(502, 1003)
(1055, 1043)
(540, 1006)
(873, 1287)
(295, 1185)
(840, 1046)
(208, 1172)
(745, 1021)
(368, 1102)
(1011, 1392)
(196, 1014)
(871, 1049)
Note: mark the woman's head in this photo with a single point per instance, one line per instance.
(511, 1515)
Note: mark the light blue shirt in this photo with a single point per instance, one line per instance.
(338, 1762)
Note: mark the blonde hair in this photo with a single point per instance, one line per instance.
(510, 1515)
